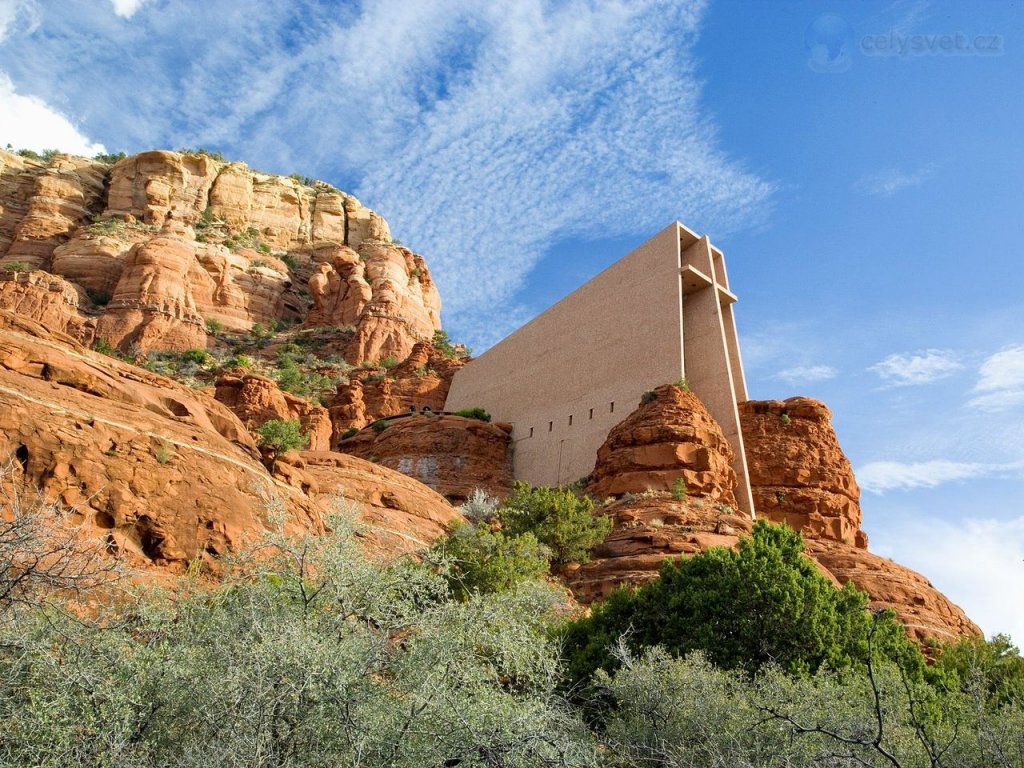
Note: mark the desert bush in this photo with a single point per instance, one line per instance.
(764, 603)
(17, 266)
(562, 521)
(480, 507)
(482, 560)
(474, 413)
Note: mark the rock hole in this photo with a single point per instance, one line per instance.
(104, 520)
(22, 456)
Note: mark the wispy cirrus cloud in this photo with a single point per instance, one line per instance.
(806, 374)
(483, 132)
(879, 477)
(888, 182)
(1000, 384)
(916, 368)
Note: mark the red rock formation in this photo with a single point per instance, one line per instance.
(185, 238)
(451, 454)
(798, 473)
(924, 610)
(255, 400)
(799, 476)
(673, 436)
(421, 380)
(49, 300)
(165, 473)
(650, 528)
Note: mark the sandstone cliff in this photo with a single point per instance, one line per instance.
(166, 474)
(162, 244)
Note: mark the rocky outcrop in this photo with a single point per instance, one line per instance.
(451, 454)
(798, 473)
(668, 437)
(420, 381)
(650, 528)
(164, 241)
(255, 400)
(165, 474)
(923, 610)
(49, 300)
(799, 476)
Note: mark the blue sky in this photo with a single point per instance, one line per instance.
(859, 163)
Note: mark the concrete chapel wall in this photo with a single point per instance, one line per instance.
(575, 371)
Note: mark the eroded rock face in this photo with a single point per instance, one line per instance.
(924, 610)
(649, 529)
(49, 300)
(799, 475)
(180, 239)
(165, 474)
(451, 454)
(672, 436)
(255, 400)
(420, 381)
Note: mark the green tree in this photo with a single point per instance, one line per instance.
(764, 603)
(560, 520)
(996, 665)
(481, 560)
(281, 436)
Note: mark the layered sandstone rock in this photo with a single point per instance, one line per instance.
(923, 610)
(799, 476)
(49, 300)
(166, 474)
(398, 514)
(671, 436)
(182, 238)
(420, 381)
(650, 528)
(451, 454)
(798, 473)
(255, 400)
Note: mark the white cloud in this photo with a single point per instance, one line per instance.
(888, 182)
(127, 8)
(909, 369)
(805, 374)
(881, 476)
(1001, 381)
(484, 133)
(976, 562)
(28, 123)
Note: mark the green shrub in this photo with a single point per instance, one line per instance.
(785, 419)
(648, 397)
(444, 345)
(485, 561)
(214, 326)
(474, 413)
(109, 158)
(560, 520)
(280, 435)
(763, 604)
(379, 425)
(104, 347)
(388, 362)
(679, 489)
(17, 266)
(240, 361)
(162, 453)
(683, 384)
(350, 432)
(197, 356)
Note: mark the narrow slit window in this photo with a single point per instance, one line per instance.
(551, 425)
(570, 419)
(531, 431)
(611, 409)
(591, 413)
